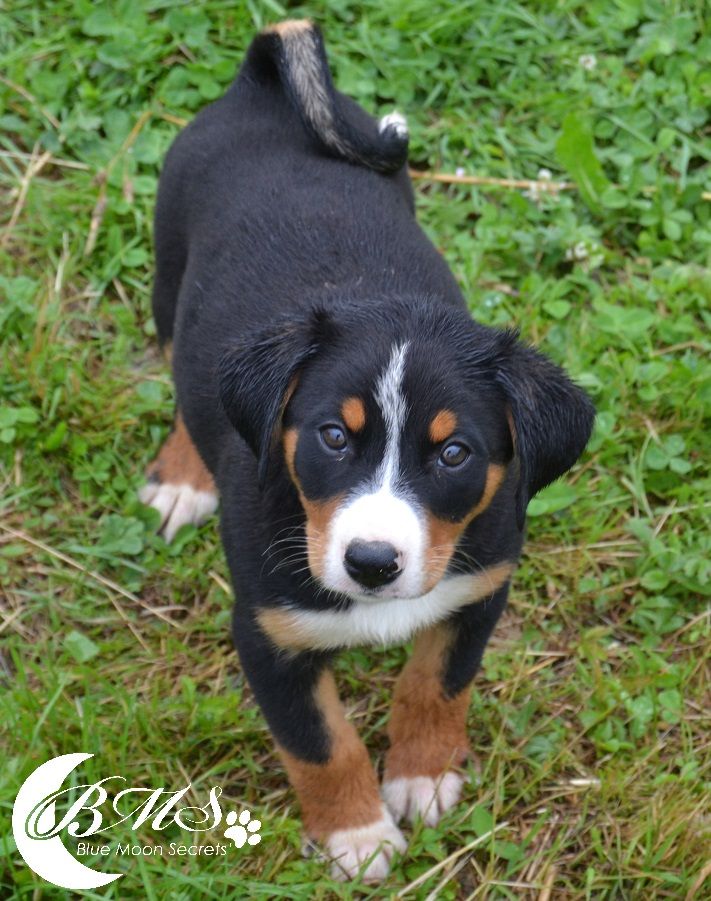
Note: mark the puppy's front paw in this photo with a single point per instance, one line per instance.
(421, 796)
(180, 487)
(374, 845)
(178, 505)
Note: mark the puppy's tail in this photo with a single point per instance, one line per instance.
(295, 50)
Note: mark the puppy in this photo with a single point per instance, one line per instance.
(373, 448)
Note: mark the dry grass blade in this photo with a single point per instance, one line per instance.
(97, 215)
(37, 163)
(540, 186)
(53, 160)
(543, 186)
(23, 92)
(455, 855)
(107, 583)
(699, 881)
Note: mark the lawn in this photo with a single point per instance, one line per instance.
(590, 716)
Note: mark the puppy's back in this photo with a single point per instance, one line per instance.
(280, 137)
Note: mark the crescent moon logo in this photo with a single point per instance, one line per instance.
(48, 857)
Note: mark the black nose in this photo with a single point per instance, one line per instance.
(372, 563)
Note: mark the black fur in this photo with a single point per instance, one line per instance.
(254, 377)
(286, 258)
(353, 135)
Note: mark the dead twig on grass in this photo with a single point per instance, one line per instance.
(535, 186)
(97, 577)
(36, 165)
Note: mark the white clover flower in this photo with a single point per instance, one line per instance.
(577, 252)
(587, 254)
(587, 61)
(459, 171)
(540, 186)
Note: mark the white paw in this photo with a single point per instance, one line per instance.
(394, 120)
(177, 505)
(350, 849)
(420, 796)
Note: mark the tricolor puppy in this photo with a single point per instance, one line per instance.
(373, 449)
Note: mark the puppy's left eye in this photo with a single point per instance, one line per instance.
(334, 437)
(454, 454)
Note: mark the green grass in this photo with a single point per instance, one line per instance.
(599, 670)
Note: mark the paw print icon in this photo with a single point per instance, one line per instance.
(244, 831)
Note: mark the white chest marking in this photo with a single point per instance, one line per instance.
(392, 621)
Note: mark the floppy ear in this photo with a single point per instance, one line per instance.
(257, 377)
(551, 417)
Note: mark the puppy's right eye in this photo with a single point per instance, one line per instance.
(334, 437)
(454, 455)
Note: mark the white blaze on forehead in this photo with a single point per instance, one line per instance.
(390, 399)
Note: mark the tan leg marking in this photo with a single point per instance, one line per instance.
(427, 730)
(179, 485)
(178, 461)
(340, 800)
(342, 793)
(353, 413)
(442, 426)
(427, 734)
(444, 535)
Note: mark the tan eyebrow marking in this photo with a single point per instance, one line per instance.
(353, 413)
(442, 426)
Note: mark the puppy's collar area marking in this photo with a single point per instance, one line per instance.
(380, 622)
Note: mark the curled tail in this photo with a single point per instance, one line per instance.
(294, 50)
